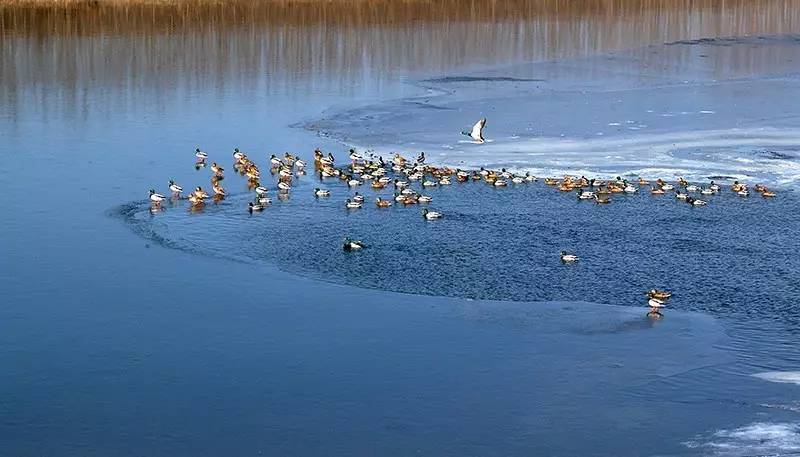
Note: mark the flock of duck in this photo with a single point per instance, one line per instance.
(399, 174)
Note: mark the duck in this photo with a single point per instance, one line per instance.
(321, 192)
(601, 200)
(696, 202)
(477, 131)
(767, 194)
(263, 200)
(583, 195)
(681, 195)
(713, 186)
(261, 190)
(424, 199)
(352, 245)
(656, 303)
(196, 200)
(217, 169)
(352, 204)
(358, 198)
(657, 191)
(299, 164)
(444, 181)
(743, 192)
(175, 189)
(667, 186)
(237, 154)
(692, 188)
(428, 183)
(218, 190)
(500, 183)
(568, 258)
(518, 180)
(431, 215)
(530, 178)
(643, 182)
(381, 203)
(156, 198)
(254, 207)
(659, 294)
(275, 161)
(200, 193)
(708, 191)
(630, 189)
(200, 154)
(284, 186)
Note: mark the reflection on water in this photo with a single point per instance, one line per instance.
(252, 46)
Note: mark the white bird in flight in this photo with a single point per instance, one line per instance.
(477, 131)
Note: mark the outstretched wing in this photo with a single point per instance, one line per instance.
(477, 130)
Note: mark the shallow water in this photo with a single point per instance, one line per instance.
(222, 333)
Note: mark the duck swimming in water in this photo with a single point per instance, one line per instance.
(568, 258)
(254, 207)
(352, 245)
(321, 192)
(381, 203)
(431, 215)
(350, 204)
(156, 198)
(175, 189)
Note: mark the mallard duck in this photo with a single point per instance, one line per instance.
(284, 186)
(156, 198)
(568, 258)
(260, 190)
(656, 303)
(428, 184)
(196, 200)
(254, 207)
(352, 245)
(667, 186)
(657, 191)
(518, 180)
(321, 192)
(707, 191)
(263, 200)
(352, 204)
(380, 203)
(767, 194)
(696, 202)
(601, 200)
(444, 181)
(216, 168)
(583, 195)
(530, 178)
(692, 188)
(175, 189)
(218, 190)
(658, 294)
(200, 154)
(743, 192)
(643, 182)
(714, 187)
(237, 154)
(200, 193)
(299, 164)
(431, 215)
(275, 161)
(358, 198)
(424, 199)
(681, 195)
(500, 183)
(631, 189)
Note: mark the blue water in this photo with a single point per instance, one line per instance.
(124, 332)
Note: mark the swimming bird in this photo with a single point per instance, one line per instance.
(237, 154)
(696, 202)
(201, 156)
(380, 203)
(358, 198)
(431, 215)
(352, 245)
(284, 186)
(156, 198)
(175, 189)
(568, 258)
(350, 204)
(583, 195)
(321, 192)
(477, 131)
(217, 169)
(424, 199)
(199, 192)
(261, 190)
(254, 207)
(659, 294)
